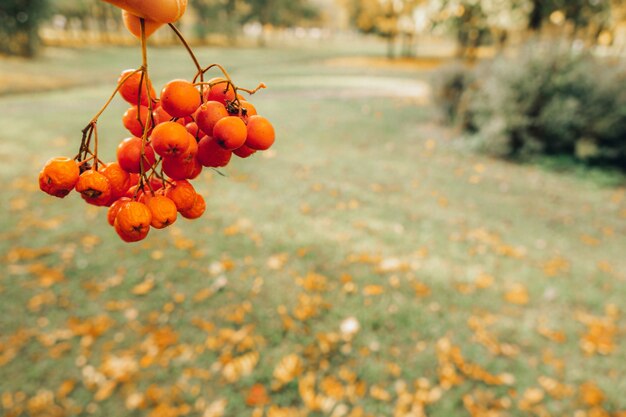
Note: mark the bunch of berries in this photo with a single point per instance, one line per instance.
(191, 126)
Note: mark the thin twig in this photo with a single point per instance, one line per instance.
(119, 85)
(192, 55)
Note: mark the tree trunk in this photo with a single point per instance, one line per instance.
(391, 43)
(407, 45)
(261, 41)
(26, 18)
(18, 38)
(535, 20)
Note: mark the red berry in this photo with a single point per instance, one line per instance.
(169, 139)
(129, 155)
(209, 114)
(211, 154)
(260, 133)
(230, 132)
(180, 98)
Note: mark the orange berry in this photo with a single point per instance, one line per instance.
(193, 145)
(230, 132)
(131, 191)
(118, 179)
(115, 208)
(59, 176)
(247, 110)
(169, 139)
(209, 114)
(134, 179)
(196, 170)
(221, 90)
(178, 169)
(133, 124)
(193, 129)
(129, 155)
(130, 89)
(160, 115)
(260, 133)
(143, 196)
(192, 150)
(211, 154)
(163, 211)
(182, 194)
(94, 188)
(197, 210)
(180, 98)
(244, 151)
(132, 222)
(190, 153)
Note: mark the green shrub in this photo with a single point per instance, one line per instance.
(451, 85)
(548, 104)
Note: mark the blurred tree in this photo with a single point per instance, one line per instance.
(222, 16)
(468, 20)
(98, 17)
(537, 14)
(581, 13)
(281, 13)
(386, 18)
(476, 23)
(226, 16)
(286, 13)
(19, 24)
(71, 8)
(583, 20)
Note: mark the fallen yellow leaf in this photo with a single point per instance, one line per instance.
(517, 294)
(373, 290)
(144, 287)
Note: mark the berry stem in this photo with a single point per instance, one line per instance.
(144, 136)
(192, 55)
(254, 90)
(83, 162)
(188, 48)
(88, 130)
(84, 149)
(95, 147)
(204, 70)
(142, 78)
(119, 85)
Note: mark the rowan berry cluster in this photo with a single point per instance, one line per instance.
(189, 126)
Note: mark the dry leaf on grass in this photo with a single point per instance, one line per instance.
(144, 287)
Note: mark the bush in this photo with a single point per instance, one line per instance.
(553, 104)
(451, 86)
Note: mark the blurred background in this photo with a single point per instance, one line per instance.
(404, 23)
(439, 230)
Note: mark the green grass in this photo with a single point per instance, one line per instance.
(360, 183)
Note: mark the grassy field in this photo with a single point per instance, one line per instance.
(366, 266)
